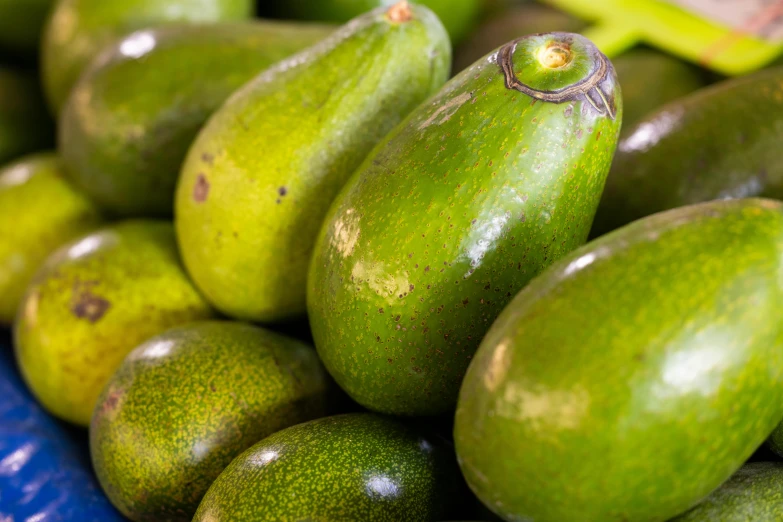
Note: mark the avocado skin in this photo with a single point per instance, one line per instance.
(719, 142)
(753, 494)
(151, 107)
(259, 178)
(78, 30)
(91, 303)
(21, 25)
(634, 376)
(355, 467)
(458, 16)
(39, 211)
(25, 124)
(461, 205)
(184, 404)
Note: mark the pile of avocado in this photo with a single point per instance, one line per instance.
(376, 260)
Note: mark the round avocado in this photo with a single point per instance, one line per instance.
(77, 30)
(355, 467)
(25, 124)
(185, 403)
(752, 494)
(91, 303)
(635, 375)
(39, 212)
(151, 105)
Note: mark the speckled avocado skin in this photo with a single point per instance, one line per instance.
(752, 494)
(39, 212)
(21, 24)
(719, 142)
(25, 125)
(357, 467)
(259, 178)
(184, 404)
(457, 209)
(77, 30)
(93, 301)
(458, 16)
(633, 377)
(150, 106)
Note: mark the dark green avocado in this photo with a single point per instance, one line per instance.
(150, 105)
(634, 376)
(719, 142)
(348, 468)
(752, 494)
(476, 192)
(184, 404)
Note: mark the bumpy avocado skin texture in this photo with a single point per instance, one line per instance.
(636, 375)
(261, 175)
(457, 209)
(25, 124)
(130, 120)
(77, 30)
(752, 494)
(458, 16)
(21, 24)
(184, 404)
(93, 301)
(355, 467)
(719, 142)
(39, 212)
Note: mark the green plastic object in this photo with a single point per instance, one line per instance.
(732, 37)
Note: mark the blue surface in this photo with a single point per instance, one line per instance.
(45, 472)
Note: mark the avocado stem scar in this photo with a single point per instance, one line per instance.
(400, 12)
(555, 56)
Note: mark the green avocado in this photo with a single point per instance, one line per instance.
(458, 16)
(356, 467)
(25, 124)
(129, 121)
(480, 189)
(21, 24)
(259, 178)
(634, 376)
(39, 212)
(752, 494)
(719, 142)
(93, 301)
(184, 404)
(78, 30)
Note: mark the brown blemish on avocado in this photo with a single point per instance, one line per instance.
(447, 110)
(87, 305)
(201, 189)
(208, 158)
(282, 191)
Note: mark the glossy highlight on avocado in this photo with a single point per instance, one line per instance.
(481, 188)
(92, 302)
(39, 212)
(262, 173)
(131, 118)
(348, 468)
(78, 30)
(633, 377)
(182, 405)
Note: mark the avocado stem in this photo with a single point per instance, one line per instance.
(400, 12)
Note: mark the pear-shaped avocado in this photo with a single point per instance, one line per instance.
(480, 189)
(77, 30)
(719, 142)
(184, 404)
(356, 467)
(458, 16)
(39, 212)
(93, 301)
(752, 494)
(259, 178)
(21, 24)
(636, 375)
(151, 105)
(25, 124)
